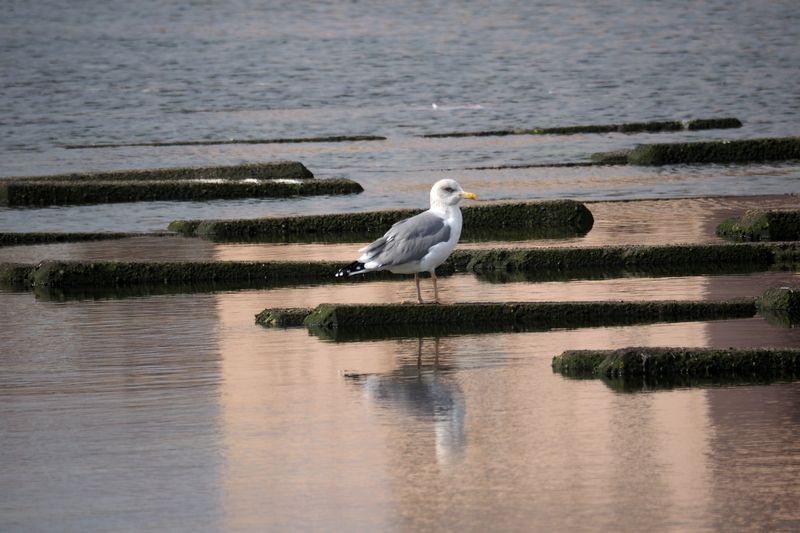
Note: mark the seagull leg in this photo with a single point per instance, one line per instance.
(435, 288)
(416, 280)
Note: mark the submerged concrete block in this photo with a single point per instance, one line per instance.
(629, 127)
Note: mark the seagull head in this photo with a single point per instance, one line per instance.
(447, 192)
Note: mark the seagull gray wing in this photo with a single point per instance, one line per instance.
(407, 241)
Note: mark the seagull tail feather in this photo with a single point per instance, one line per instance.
(356, 267)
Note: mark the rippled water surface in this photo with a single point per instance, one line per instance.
(176, 412)
(146, 410)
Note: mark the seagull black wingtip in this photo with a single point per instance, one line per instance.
(353, 268)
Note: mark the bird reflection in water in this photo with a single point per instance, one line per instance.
(426, 390)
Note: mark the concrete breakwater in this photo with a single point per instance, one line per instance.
(558, 218)
(356, 322)
(629, 127)
(43, 193)
(705, 152)
(30, 238)
(575, 261)
(262, 171)
(274, 179)
(664, 363)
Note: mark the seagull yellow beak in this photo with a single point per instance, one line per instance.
(469, 195)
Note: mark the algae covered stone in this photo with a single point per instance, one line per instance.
(724, 151)
(780, 305)
(544, 314)
(558, 218)
(48, 192)
(283, 317)
(261, 171)
(27, 238)
(762, 225)
(659, 362)
(113, 273)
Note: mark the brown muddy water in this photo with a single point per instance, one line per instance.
(177, 412)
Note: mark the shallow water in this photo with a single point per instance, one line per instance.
(120, 401)
(176, 412)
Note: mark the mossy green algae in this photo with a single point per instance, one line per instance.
(490, 221)
(557, 260)
(113, 273)
(284, 317)
(261, 171)
(781, 298)
(660, 362)
(365, 323)
(41, 193)
(780, 305)
(564, 259)
(13, 274)
(725, 151)
(762, 225)
(547, 314)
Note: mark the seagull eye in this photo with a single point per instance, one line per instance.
(448, 189)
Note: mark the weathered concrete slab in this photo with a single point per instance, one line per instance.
(726, 151)
(42, 193)
(260, 171)
(541, 262)
(660, 363)
(120, 273)
(358, 323)
(629, 127)
(558, 218)
(536, 314)
(571, 259)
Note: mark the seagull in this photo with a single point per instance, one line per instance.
(420, 243)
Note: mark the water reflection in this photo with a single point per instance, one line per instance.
(755, 447)
(250, 429)
(424, 390)
(109, 402)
